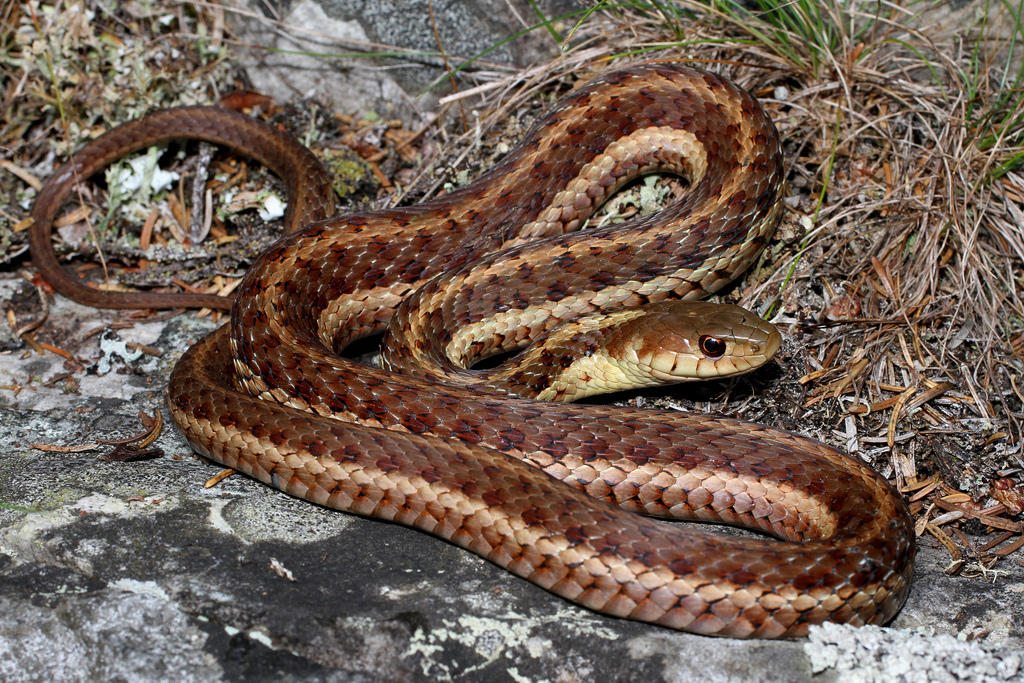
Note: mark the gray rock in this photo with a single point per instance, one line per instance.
(381, 56)
(135, 571)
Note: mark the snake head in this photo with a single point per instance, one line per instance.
(678, 341)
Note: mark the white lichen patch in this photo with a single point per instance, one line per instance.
(115, 353)
(406, 591)
(268, 205)
(142, 172)
(150, 588)
(510, 636)
(870, 653)
(271, 207)
(261, 637)
(215, 518)
(139, 506)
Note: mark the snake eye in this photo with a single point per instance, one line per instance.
(712, 347)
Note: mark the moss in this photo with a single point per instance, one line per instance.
(351, 175)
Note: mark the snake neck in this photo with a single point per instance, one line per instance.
(634, 348)
(731, 155)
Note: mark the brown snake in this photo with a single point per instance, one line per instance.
(547, 490)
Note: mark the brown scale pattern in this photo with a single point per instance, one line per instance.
(473, 467)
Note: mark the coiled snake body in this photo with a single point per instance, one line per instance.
(547, 490)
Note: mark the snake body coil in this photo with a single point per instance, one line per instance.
(548, 491)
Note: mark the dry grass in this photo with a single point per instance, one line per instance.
(895, 272)
(901, 258)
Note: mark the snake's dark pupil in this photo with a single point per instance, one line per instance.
(712, 347)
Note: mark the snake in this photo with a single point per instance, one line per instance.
(583, 499)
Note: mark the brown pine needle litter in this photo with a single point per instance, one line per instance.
(893, 275)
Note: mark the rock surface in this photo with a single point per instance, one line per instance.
(382, 56)
(135, 571)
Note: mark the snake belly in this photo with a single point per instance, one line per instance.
(549, 491)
